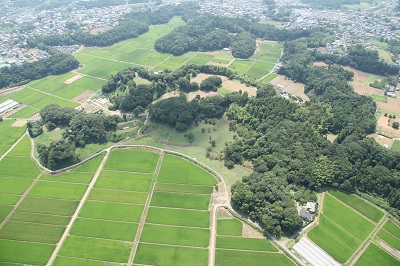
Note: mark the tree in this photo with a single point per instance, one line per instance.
(396, 125)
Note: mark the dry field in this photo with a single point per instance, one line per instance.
(290, 87)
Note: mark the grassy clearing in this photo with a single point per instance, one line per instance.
(25, 112)
(8, 199)
(239, 258)
(24, 252)
(14, 186)
(328, 242)
(48, 206)
(374, 255)
(89, 167)
(379, 98)
(112, 211)
(26, 167)
(4, 211)
(390, 239)
(184, 201)
(200, 59)
(175, 235)
(72, 177)
(245, 243)
(118, 196)
(359, 205)
(396, 145)
(177, 170)
(269, 78)
(124, 181)
(97, 249)
(39, 233)
(230, 227)
(184, 188)
(58, 190)
(224, 91)
(40, 218)
(347, 218)
(178, 217)
(132, 161)
(392, 228)
(170, 255)
(104, 229)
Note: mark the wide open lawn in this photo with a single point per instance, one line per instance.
(132, 161)
(151, 254)
(175, 235)
(180, 171)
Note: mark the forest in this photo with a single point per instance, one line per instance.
(80, 129)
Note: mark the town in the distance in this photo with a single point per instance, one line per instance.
(200, 132)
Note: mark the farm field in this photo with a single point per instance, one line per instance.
(234, 249)
(374, 255)
(9, 135)
(390, 233)
(341, 230)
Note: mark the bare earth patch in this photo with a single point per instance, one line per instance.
(73, 79)
(250, 232)
(202, 94)
(385, 127)
(234, 85)
(290, 87)
(83, 97)
(331, 137)
(19, 123)
(167, 95)
(321, 64)
(382, 140)
(360, 83)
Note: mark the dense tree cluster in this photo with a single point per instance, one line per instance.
(181, 114)
(57, 63)
(211, 83)
(80, 129)
(243, 45)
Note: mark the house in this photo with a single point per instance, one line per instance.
(311, 207)
(305, 215)
(226, 49)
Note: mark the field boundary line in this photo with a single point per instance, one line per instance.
(177, 184)
(102, 238)
(180, 226)
(118, 171)
(341, 228)
(25, 222)
(23, 196)
(26, 241)
(63, 182)
(185, 209)
(172, 245)
(13, 146)
(249, 250)
(117, 202)
(145, 211)
(182, 193)
(103, 220)
(69, 257)
(359, 213)
(358, 253)
(120, 190)
(78, 210)
(388, 233)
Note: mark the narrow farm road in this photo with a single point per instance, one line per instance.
(145, 211)
(12, 147)
(78, 209)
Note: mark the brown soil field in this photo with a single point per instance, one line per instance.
(250, 232)
(361, 84)
(73, 79)
(167, 95)
(331, 137)
(290, 87)
(385, 128)
(83, 97)
(382, 140)
(19, 123)
(202, 94)
(321, 64)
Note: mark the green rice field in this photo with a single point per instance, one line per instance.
(390, 233)
(239, 258)
(341, 230)
(230, 227)
(374, 255)
(132, 161)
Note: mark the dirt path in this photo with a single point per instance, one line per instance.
(78, 210)
(12, 147)
(145, 211)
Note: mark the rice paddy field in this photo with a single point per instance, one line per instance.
(346, 223)
(232, 248)
(9, 135)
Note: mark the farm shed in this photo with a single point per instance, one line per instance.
(305, 215)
